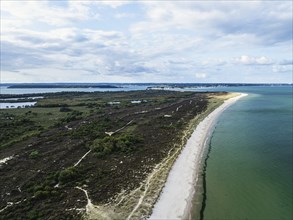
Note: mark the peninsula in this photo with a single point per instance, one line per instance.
(101, 155)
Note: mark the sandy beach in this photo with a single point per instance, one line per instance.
(177, 194)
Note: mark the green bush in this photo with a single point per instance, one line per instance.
(34, 154)
(109, 144)
(41, 194)
(68, 175)
(92, 130)
(34, 214)
(65, 109)
(74, 115)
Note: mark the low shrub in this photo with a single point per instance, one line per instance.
(109, 144)
(34, 154)
(41, 194)
(65, 109)
(68, 175)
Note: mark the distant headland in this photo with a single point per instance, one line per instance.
(61, 85)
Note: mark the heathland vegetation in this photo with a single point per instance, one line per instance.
(103, 142)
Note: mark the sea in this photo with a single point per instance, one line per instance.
(247, 170)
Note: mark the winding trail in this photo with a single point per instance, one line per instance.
(89, 202)
(4, 160)
(144, 193)
(138, 201)
(110, 133)
(82, 158)
(9, 204)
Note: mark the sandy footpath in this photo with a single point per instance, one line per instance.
(175, 199)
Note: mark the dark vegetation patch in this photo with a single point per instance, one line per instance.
(124, 143)
(47, 140)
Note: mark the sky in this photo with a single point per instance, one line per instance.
(146, 41)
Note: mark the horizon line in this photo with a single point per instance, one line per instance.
(290, 83)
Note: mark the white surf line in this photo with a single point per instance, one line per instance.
(110, 133)
(4, 160)
(82, 158)
(178, 191)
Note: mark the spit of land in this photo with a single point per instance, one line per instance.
(101, 155)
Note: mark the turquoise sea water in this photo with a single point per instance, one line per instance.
(249, 167)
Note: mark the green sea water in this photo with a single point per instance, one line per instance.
(248, 173)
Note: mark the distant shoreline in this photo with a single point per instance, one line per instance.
(90, 84)
(57, 86)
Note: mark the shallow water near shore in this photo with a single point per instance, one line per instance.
(249, 167)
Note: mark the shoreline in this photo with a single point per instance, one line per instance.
(175, 200)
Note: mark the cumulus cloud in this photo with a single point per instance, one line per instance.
(248, 60)
(268, 21)
(24, 13)
(167, 41)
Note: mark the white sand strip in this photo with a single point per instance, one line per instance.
(177, 194)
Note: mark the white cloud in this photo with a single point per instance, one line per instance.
(263, 20)
(263, 60)
(24, 13)
(112, 3)
(282, 68)
(248, 60)
(200, 75)
(167, 40)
